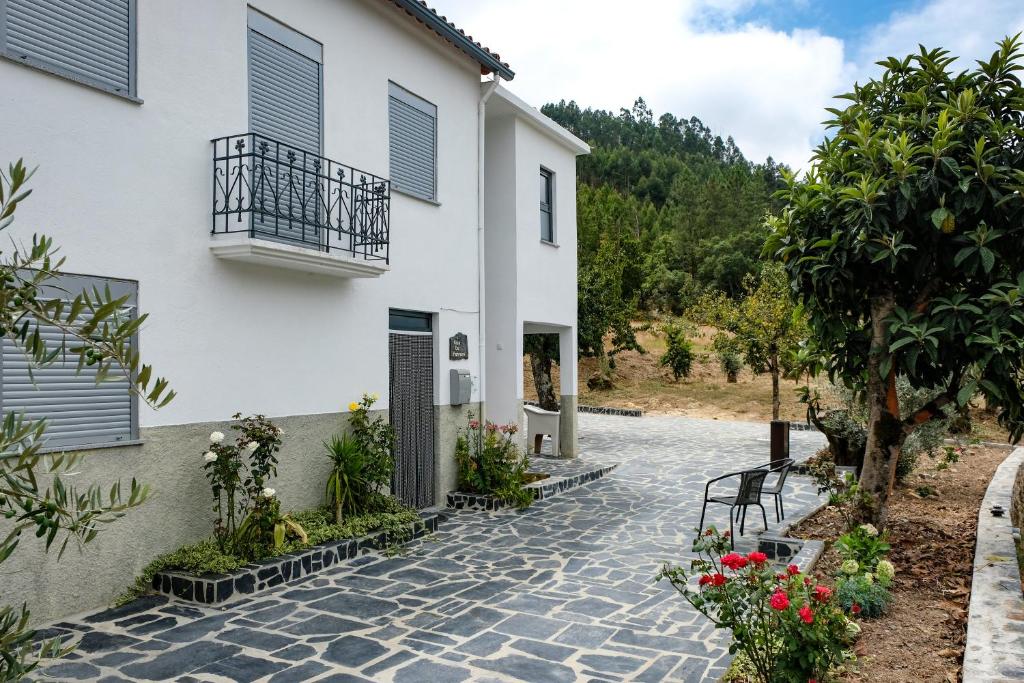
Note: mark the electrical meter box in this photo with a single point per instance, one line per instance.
(462, 386)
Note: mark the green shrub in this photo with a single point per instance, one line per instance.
(862, 595)
(347, 485)
(864, 545)
(361, 463)
(490, 463)
(731, 364)
(678, 351)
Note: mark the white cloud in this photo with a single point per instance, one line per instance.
(765, 87)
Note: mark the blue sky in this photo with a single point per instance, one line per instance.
(762, 71)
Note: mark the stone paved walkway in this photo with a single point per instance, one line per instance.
(562, 592)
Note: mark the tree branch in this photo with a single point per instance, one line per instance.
(929, 411)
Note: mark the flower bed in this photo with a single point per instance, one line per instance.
(214, 588)
(931, 528)
(550, 486)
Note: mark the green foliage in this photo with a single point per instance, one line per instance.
(376, 438)
(862, 596)
(238, 473)
(678, 350)
(765, 326)
(207, 557)
(903, 241)
(786, 626)
(265, 530)
(731, 364)
(346, 484)
(489, 462)
(864, 545)
(37, 492)
(844, 491)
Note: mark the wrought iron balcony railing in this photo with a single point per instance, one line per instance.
(274, 191)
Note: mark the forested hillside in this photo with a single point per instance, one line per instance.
(666, 210)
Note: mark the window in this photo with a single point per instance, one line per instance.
(90, 42)
(547, 204)
(412, 127)
(79, 413)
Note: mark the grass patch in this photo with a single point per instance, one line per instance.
(205, 557)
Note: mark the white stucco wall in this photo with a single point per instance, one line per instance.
(531, 285)
(125, 190)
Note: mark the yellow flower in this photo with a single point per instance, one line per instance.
(353, 406)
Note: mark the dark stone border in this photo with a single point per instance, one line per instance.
(545, 488)
(212, 589)
(600, 410)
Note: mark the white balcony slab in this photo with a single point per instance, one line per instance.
(335, 263)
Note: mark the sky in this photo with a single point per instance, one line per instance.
(762, 71)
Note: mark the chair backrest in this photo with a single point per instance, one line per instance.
(751, 482)
(783, 471)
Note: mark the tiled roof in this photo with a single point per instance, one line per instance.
(490, 62)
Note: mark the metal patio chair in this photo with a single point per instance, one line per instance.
(747, 493)
(781, 468)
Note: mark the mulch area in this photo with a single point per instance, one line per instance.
(922, 636)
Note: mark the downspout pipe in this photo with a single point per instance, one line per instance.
(481, 192)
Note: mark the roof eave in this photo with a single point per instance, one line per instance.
(486, 60)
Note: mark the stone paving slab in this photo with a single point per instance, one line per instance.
(563, 591)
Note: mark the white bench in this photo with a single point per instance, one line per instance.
(540, 422)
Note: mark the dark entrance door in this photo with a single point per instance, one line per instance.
(411, 405)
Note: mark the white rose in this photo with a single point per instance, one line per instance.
(268, 492)
(216, 437)
(252, 446)
(279, 430)
(209, 456)
(375, 396)
(869, 529)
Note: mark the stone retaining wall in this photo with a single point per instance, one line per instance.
(995, 627)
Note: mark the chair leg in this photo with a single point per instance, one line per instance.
(732, 541)
(700, 527)
(764, 516)
(778, 514)
(743, 520)
(781, 509)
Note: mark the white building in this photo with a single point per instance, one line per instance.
(366, 201)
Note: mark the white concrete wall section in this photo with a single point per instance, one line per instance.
(125, 190)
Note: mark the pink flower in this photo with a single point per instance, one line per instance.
(822, 593)
(757, 558)
(779, 601)
(474, 424)
(806, 615)
(734, 561)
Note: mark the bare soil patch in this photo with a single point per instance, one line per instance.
(922, 636)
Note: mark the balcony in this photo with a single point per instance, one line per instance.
(279, 205)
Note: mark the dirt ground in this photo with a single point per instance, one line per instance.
(641, 382)
(922, 636)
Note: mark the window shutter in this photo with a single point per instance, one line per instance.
(284, 94)
(90, 39)
(79, 413)
(412, 127)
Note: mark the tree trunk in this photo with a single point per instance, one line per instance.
(775, 388)
(540, 363)
(885, 433)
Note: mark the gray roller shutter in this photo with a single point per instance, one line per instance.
(412, 128)
(89, 40)
(285, 108)
(79, 413)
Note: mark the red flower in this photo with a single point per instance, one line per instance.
(806, 614)
(807, 581)
(757, 557)
(704, 580)
(709, 532)
(781, 577)
(727, 534)
(734, 561)
(822, 593)
(855, 609)
(718, 579)
(793, 570)
(779, 601)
